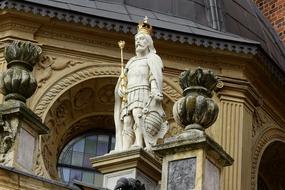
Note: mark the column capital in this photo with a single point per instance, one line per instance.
(239, 90)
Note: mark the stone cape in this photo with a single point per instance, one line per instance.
(155, 65)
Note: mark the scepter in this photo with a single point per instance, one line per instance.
(122, 76)
(122, 45)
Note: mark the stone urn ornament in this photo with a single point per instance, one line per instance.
(196, 111)
(17, 82)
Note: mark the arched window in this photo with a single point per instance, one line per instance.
(74, 163)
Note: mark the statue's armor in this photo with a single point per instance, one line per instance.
(138, 85)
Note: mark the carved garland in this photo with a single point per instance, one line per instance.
(47, 65)
(268, 136)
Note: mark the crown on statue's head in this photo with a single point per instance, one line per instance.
(144, 27)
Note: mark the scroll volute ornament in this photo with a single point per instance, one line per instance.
(17, 82)
(196, 110)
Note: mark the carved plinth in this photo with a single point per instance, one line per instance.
(135, 163)
(19, 135)
(195, 163)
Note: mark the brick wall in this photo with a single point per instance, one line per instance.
(274, 11)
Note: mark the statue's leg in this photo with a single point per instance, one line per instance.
(137, 113)
(128, 133)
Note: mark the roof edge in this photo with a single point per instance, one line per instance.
(229, 43)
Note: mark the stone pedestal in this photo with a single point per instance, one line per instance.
(193, 163)
(134, 163)
(20, 129)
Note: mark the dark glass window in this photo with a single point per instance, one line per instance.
(74, 160)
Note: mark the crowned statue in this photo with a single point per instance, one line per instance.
(138, 112)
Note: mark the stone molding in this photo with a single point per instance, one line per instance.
(239, 89)
(70, 80)
(47, 66)
(120, 26)
(28, 27)
(268, 65)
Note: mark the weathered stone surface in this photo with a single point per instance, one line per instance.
(212, 176)
(13, 179)
(17, 82)
(15, 116)
(192, 143)
(26, 149)
(134, 163)
(196, 110)
(182, 174)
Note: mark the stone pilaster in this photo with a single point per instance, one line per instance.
(237, 100)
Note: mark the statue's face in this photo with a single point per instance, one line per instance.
(141, 43)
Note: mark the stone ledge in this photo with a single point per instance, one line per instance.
(133, 158)
(13, 179)
(199, 142)
(17, 107)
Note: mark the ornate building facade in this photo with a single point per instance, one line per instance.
(80, 64)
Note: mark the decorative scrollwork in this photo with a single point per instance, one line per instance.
(48, 64)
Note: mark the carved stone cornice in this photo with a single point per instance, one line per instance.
(242, 91)
(269, 65)
(238, 90)
(59, 35)
(120, 26)
(14, 24)
(125, 27)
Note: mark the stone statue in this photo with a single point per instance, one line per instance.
(129, 184)
(138, 110)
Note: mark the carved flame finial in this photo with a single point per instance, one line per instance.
(144, 27)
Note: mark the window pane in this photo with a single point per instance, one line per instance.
(75, 174)
(88, 177)
(90, 144)
(77, 159)
(102, 146)
(113, 143)
(66, 158)
(66, 174)
(86, 161)
(78, 153)
(79, 146)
